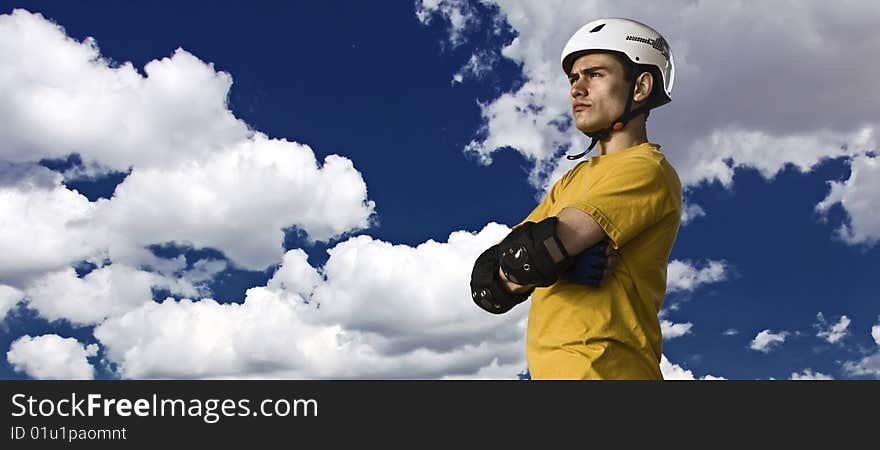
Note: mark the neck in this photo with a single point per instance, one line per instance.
(632, 134)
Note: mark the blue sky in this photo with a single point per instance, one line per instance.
(446, 133)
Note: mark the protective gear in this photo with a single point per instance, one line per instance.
(534, 254)
(589, 266)
(642, 45)
(487, 289)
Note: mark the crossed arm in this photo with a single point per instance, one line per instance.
(578, 231)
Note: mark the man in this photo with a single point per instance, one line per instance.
(584, 322)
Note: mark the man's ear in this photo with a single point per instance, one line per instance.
(643, 87)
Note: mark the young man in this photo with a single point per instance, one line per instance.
(584, 322)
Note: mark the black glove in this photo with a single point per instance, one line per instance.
(589, 266)
(487, 289)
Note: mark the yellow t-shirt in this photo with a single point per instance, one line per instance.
(610, 332)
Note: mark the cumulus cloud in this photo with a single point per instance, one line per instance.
(256, 188)
(672, 371)
(526, 119)
(691, 211)
(750, 119)
(493, 371)
(103, 292)
(478, 64)
(711, 158)
(59, 94)
(875, 333)
(857, 195)
(374, 310)
(197, 176)
(53, 225)
(684, 276)
(202, 271)
(51, 357)
(868, 365)
(9, 297)
(460, 15)
(766, 340)
(808, 374)
(832, 333)
(109, 291)
(673, 330)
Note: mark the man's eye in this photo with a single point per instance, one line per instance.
(595, 74)
(571, 80)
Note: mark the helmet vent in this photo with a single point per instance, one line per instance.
(597, 28)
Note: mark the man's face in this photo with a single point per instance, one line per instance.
(598, 91)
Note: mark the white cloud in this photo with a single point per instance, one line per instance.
(857, 195)
(113, 289)
(104, 292)
(493, 371)
(731, 332)
(867, 366)
(478, 64)
(527, 119)
(295, 275)
(199, 176)
(459, 14)
(672, 371)
(875, 333)
(751, 120)
(51, 357)
(684, 276)
(53, 226)
(377, 287)
(9, 297)
(767, 340)
(59, 94)
(808, 374)
(256, 189)
(715, 156)
(374, 310)
(832, 333)
(689, 212)
(202, 270)
(712, 378)
(673, 330)
(508, 121)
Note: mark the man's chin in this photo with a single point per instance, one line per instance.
(588, 128)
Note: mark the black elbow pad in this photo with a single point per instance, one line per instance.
(534, 254)
(487, 289)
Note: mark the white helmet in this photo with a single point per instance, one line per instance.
(639, 42)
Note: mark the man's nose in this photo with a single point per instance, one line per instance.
(579, 88)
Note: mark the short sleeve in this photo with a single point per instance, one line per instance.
(630, 197)
(543, 210)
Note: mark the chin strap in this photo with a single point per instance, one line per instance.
(617, 125)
